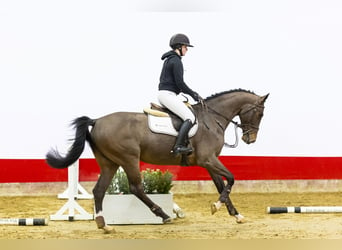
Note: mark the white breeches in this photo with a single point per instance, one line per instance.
(170, 100)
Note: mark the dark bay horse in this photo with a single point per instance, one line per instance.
(124, 139)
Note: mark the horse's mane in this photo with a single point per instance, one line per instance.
(228, 92)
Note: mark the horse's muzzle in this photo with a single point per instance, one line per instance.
(249, 137)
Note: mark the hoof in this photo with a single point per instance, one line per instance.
(167, 220)
(100, 222)
(108, 230)
(215, 207)
(180, 214)
(240, 219)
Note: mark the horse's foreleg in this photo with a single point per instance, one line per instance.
(225, 199)
(224, 190)
(233, 212)
(217, 179)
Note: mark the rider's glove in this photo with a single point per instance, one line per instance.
(197, 97)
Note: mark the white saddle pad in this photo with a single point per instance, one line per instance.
(163, 125)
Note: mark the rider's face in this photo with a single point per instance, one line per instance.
(184, 49)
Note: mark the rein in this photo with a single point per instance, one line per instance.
(226, 144)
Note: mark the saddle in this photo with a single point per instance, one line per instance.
(160, 112)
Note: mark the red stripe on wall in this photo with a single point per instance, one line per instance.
(266, 168)
(242, 167)
(29, 170)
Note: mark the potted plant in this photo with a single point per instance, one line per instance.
(122, 207)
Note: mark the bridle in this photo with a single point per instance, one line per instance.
(246, 128)
(255, 128)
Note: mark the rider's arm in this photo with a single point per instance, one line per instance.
(178, 76)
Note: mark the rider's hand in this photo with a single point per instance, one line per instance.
(197, 97)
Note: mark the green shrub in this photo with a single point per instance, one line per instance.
(153, 181)
(119, 183)
(164, 183)
(150, 180)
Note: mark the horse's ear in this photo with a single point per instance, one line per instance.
(263, 98)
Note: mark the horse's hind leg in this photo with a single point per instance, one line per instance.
(136, 188)
(108, 170)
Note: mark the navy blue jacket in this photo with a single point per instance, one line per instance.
(171, 77)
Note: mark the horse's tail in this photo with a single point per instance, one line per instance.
(56, 160)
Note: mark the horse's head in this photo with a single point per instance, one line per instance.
(250, 117)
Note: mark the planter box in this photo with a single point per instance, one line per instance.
(128, 209)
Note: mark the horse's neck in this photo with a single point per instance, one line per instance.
(230, 106)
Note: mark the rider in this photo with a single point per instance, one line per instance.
(171, 84)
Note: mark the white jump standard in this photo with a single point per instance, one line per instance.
(314, 209)
(71, 210)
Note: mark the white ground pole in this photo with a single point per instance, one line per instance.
(71, 210)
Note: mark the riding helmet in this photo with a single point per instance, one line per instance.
(179, 39)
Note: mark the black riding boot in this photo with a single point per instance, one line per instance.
(182, 139)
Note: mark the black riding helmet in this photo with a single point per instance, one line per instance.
(178, 40)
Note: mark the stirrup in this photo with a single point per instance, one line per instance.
(181, 150)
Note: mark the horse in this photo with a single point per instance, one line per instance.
(124, 139)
